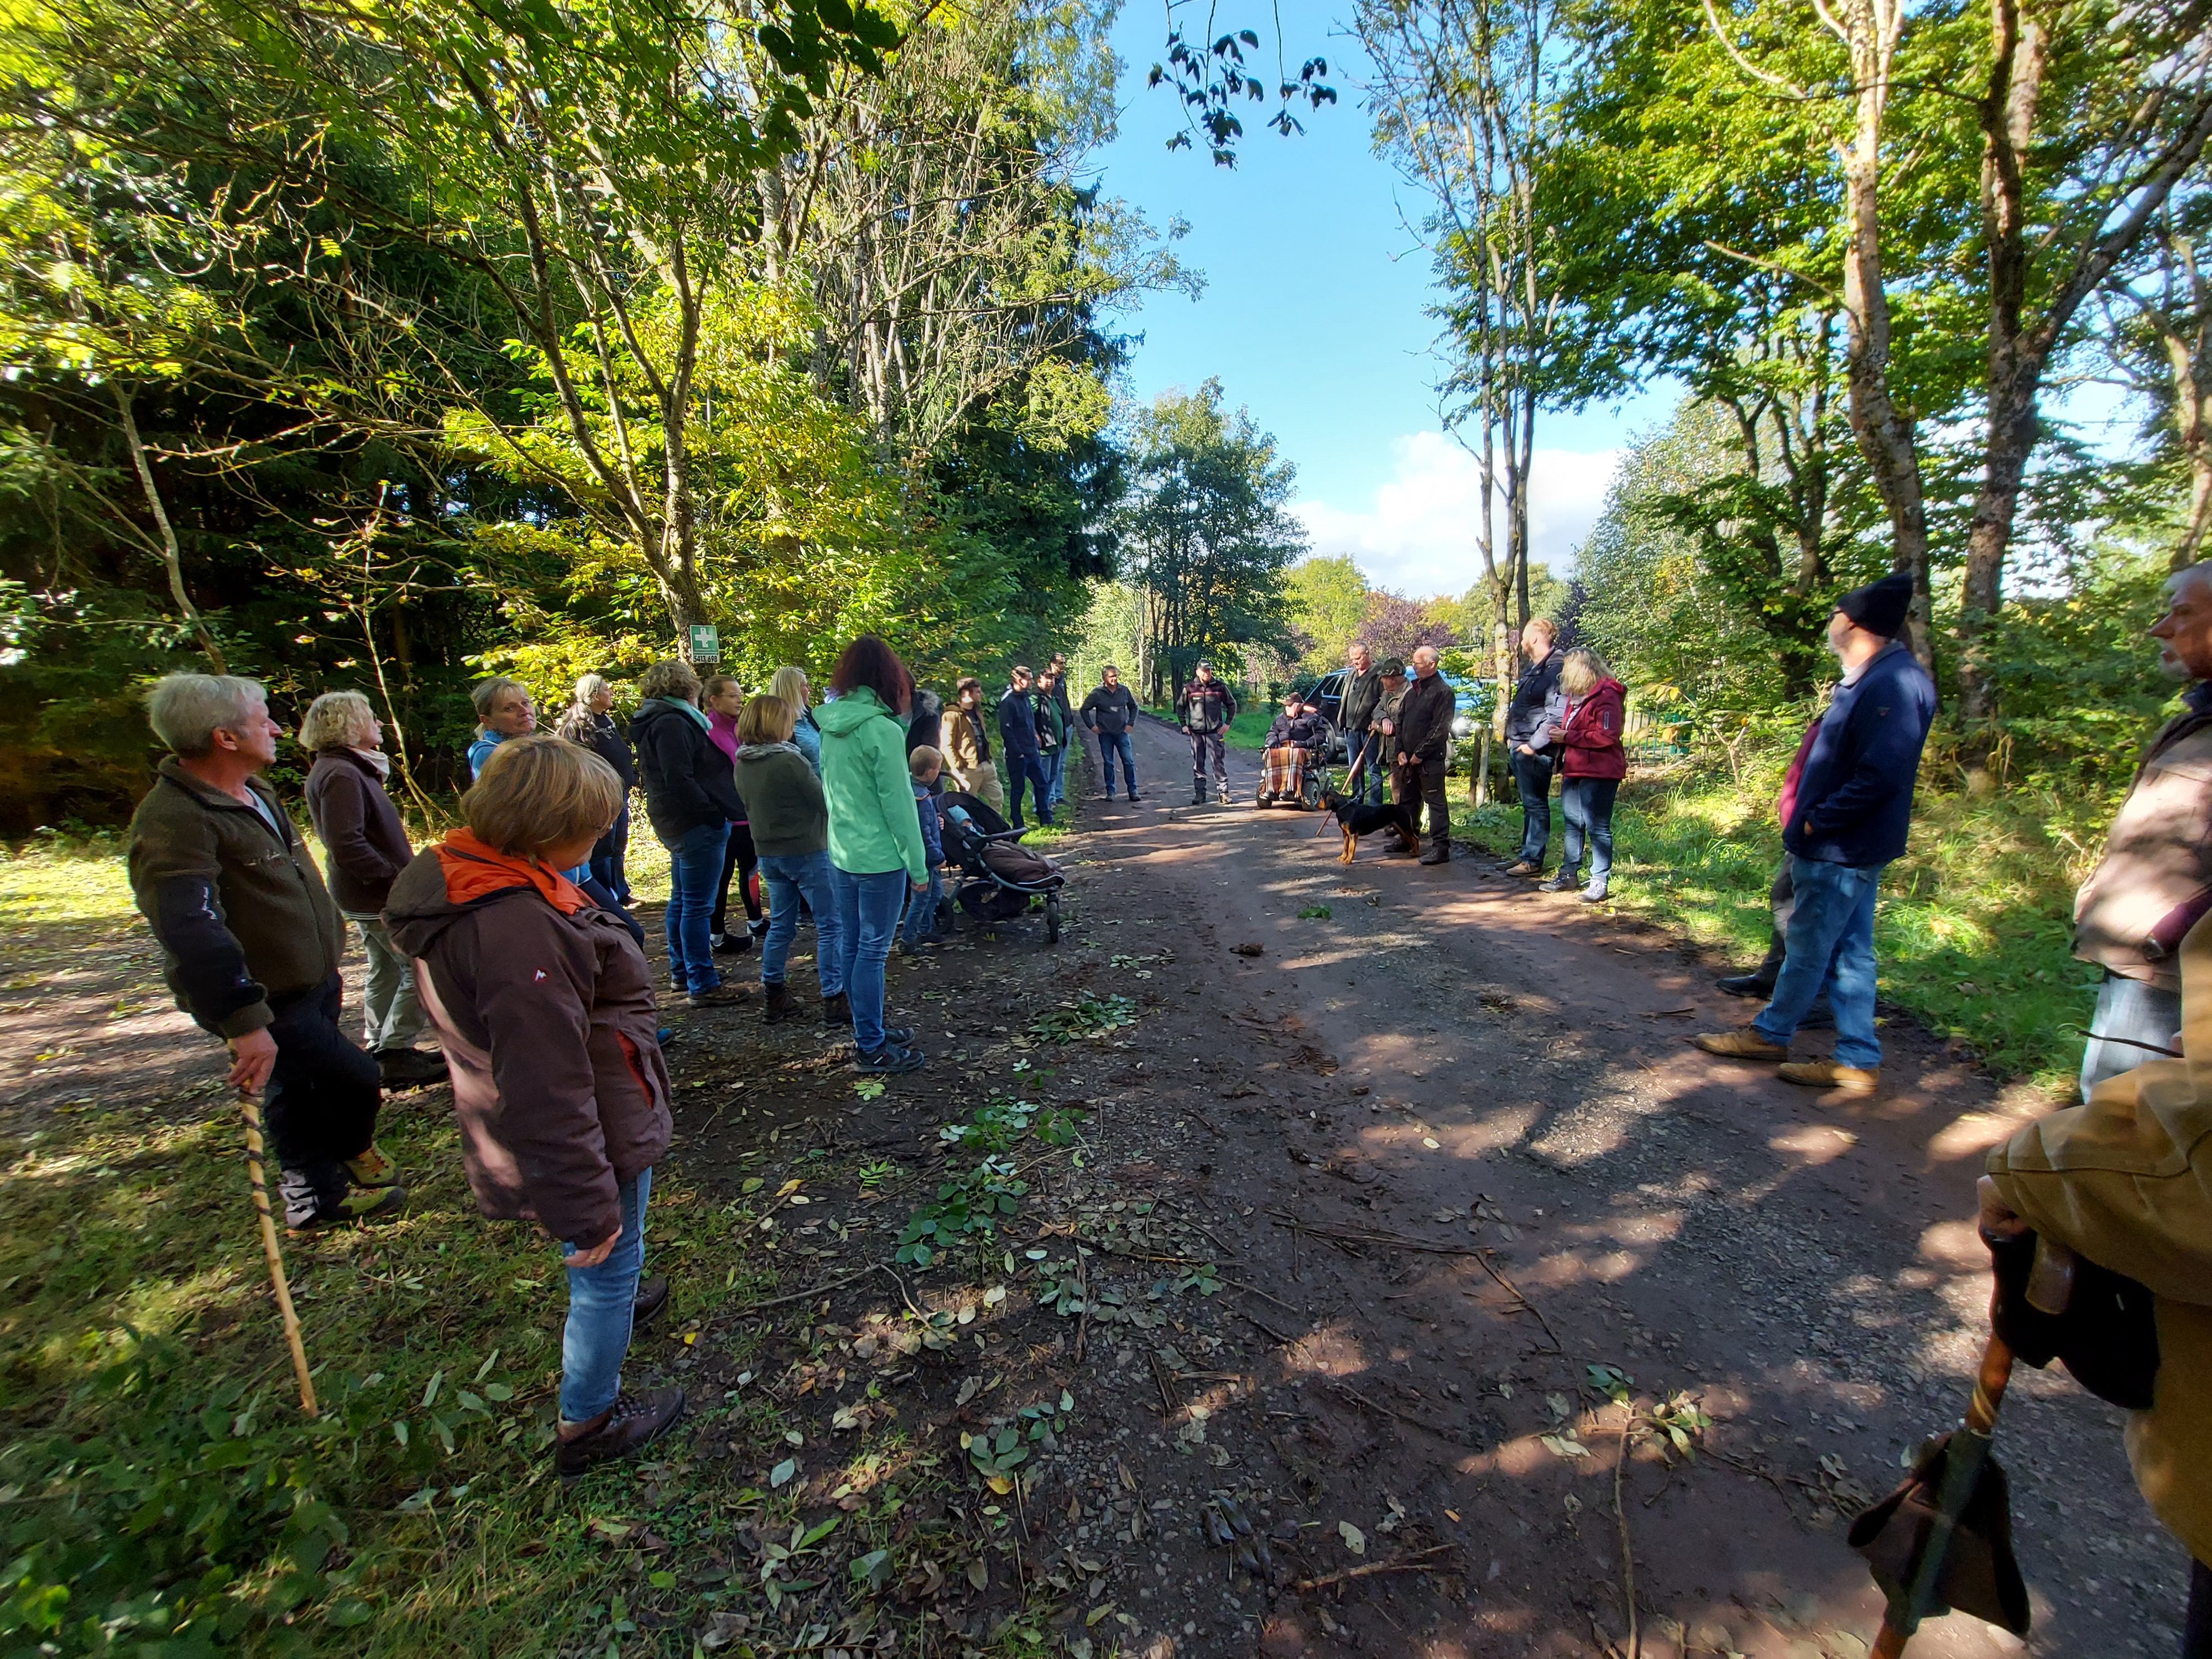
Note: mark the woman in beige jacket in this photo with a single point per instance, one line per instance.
(2126, 1182)
(968, 746)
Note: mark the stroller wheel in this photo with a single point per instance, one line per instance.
(1052, 918)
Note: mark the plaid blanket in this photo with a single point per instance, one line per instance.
(1283, 770)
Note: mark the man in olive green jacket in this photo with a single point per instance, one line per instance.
(250, 943)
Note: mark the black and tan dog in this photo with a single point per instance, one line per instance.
(1356, 818)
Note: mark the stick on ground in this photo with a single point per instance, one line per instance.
(258, 1180)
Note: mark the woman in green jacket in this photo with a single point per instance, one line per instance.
(875, 836)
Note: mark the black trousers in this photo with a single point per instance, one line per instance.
(1422, 784)
(1532, 774)
(2196, 1635)
(739, 859)
(321, 1101)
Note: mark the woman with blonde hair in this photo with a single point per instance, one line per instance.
(1591, 766)
(364, 848)
(788, 685)
(545, 1004)
(590, 721)
(503, 710)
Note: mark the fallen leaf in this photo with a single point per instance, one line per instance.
(1354, 1539)
(968, 1390)
(978, 1574)
(782, 1472)
(994, 1296)
(1431, 1143)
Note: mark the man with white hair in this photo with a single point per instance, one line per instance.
(250, 943)
(2154, 880)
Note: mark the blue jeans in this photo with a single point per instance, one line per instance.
(1111, 743)
(1533, 774)
(1831, 947)
(1588, 805)
(789, 877)
(607, 856)
(600, 1302)
(2133, 1009)
(867, 916)
(695, 872)
(1055, 763)
(921, 910)
(1028, 768)
(1365, 780)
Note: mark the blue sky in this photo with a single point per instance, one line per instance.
(1314, 318)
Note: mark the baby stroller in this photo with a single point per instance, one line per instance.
(999, 879)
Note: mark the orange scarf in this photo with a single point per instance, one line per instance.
(475, 869)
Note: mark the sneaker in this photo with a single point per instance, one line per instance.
(367, 1203)
(1595, 893)
(1744, 1043)
(899, 1036)
(1747, 985)
(650, 1302)
(1525, 868)
(634, 1422)
(371, 1168)
(1826, 1074)
(1563, 882)
(722, 996)
(890, 1060)
(837, 1011)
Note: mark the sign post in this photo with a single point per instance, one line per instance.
(705, 643)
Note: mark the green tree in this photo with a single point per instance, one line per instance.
(1327, 608)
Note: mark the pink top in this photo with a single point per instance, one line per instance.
(723, 729)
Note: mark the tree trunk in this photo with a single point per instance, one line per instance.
(171, 560)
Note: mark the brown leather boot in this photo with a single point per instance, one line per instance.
(837, 1011)
(634, 1422)
(781, 1004)
(650, 1302)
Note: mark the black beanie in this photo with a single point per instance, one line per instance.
(1879, 607)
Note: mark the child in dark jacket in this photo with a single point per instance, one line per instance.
(924, 764)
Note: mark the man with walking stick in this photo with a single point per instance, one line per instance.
(1356, 714)
(250, 943)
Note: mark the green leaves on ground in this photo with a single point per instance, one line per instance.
(970, 1209)
(1314, 913)
(1088, 1017)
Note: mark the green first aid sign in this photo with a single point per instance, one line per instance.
(705, 643)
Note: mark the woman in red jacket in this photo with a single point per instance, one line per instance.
(1591, 771)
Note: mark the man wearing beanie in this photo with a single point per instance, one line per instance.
(2154, 879)
(1846, 808)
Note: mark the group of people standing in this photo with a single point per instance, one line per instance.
(1033, 723)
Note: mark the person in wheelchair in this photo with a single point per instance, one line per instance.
(1292, 750)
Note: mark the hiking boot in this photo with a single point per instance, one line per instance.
(890, 1060)
(650, 1302)
(1747, 985)
(367, 1204)
(1437, 855)
(371, 1168)
(1744, 1043)
(836, 1010)
(1565, 880)
(634, 1422)
(725, 995)
(1198, 794)
(1524, 867)
(1134, 797)
(401, 1069)
(780, 1004)
(1826, 1074)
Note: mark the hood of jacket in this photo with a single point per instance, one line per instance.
(850, 711)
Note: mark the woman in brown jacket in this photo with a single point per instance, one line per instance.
(545, 1004)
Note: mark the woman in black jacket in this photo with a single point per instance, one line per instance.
(590, 721)
(690, 798)
(365, 847)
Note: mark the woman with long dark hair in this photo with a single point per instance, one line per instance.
(875, 854)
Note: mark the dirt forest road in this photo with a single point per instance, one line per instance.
(1475, 1063)
(1371, 1220)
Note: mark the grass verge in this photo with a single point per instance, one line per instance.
(1974, 928)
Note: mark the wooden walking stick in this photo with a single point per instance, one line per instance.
(269, 1248)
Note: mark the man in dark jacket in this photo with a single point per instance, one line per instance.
(251, 944)
(1536, 708)
(1111, 713)
(1024, 753)
(1363, 745)
(1849, 805)
(1205, 709)
(1420, 747)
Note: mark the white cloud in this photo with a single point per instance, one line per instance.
(1419, 534)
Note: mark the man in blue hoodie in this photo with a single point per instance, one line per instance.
(1847, 805)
